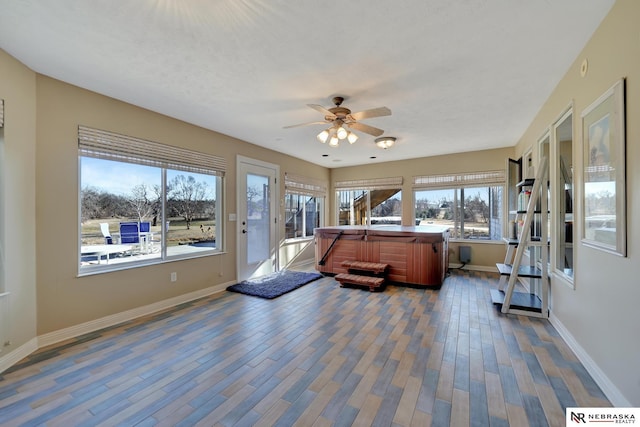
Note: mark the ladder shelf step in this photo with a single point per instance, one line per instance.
(534, 241)
(519, 301)
(523, 271)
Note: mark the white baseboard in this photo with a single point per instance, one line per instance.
(454, 266)
(608, 388)
(114, 319)
(13, 357)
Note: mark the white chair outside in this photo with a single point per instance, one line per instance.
(146, 237)
(104, 227)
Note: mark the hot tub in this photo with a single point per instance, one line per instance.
(417, 255)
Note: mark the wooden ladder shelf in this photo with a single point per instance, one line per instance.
(535, 302)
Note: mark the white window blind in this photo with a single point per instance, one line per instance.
(112, 146)
(370, 184)
(298, 184)
(1, 113)
(460, 179)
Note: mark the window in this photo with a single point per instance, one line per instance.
(304, 206)
(142, 202)
(562, 202)
(302, 215)
(471, 204)
(369, 201)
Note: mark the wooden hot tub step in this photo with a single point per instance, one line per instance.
(373, 267)
(373, 283)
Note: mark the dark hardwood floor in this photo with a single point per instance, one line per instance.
(319, 356)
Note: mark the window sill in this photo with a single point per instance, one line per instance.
(483, 242)
(563, 278)
(108, 268)
(298, 239)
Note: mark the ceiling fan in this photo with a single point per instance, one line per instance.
(339, 117)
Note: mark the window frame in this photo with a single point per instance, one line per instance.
(369, 210)
(366, 186)
(304, 186)
(105, 145)
(460, 182)
(319, 210)
(557, 206)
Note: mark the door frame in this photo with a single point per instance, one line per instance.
(274, 206)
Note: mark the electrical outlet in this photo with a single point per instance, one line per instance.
(174, 276)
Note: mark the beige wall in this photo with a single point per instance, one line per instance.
(601, 314)
(483, 254)
(64, 299)
(18, 89)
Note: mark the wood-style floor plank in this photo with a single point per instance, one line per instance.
(495, 398)
(313, 411)
(368, 411)
(460, 408)
(552, 408)
(319, 356)
(406, 408)
(444, 391)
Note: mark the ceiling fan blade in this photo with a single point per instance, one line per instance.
(374, 112)
(323, 110)
(366, 128)
(304, 124)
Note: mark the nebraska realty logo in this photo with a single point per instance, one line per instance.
(578, 416)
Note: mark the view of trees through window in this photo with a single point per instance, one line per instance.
(114, 193)
(472, 213)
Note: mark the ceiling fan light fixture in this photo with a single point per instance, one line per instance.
(385, 142)
(323, 136)
(340, 118)
(341, 132)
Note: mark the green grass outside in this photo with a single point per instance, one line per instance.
(178, 233)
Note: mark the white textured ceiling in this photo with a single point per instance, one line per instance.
(458, 75)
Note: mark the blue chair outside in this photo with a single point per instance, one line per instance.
(129, 233)
(145, 227)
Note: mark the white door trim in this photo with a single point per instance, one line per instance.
(274, 207)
